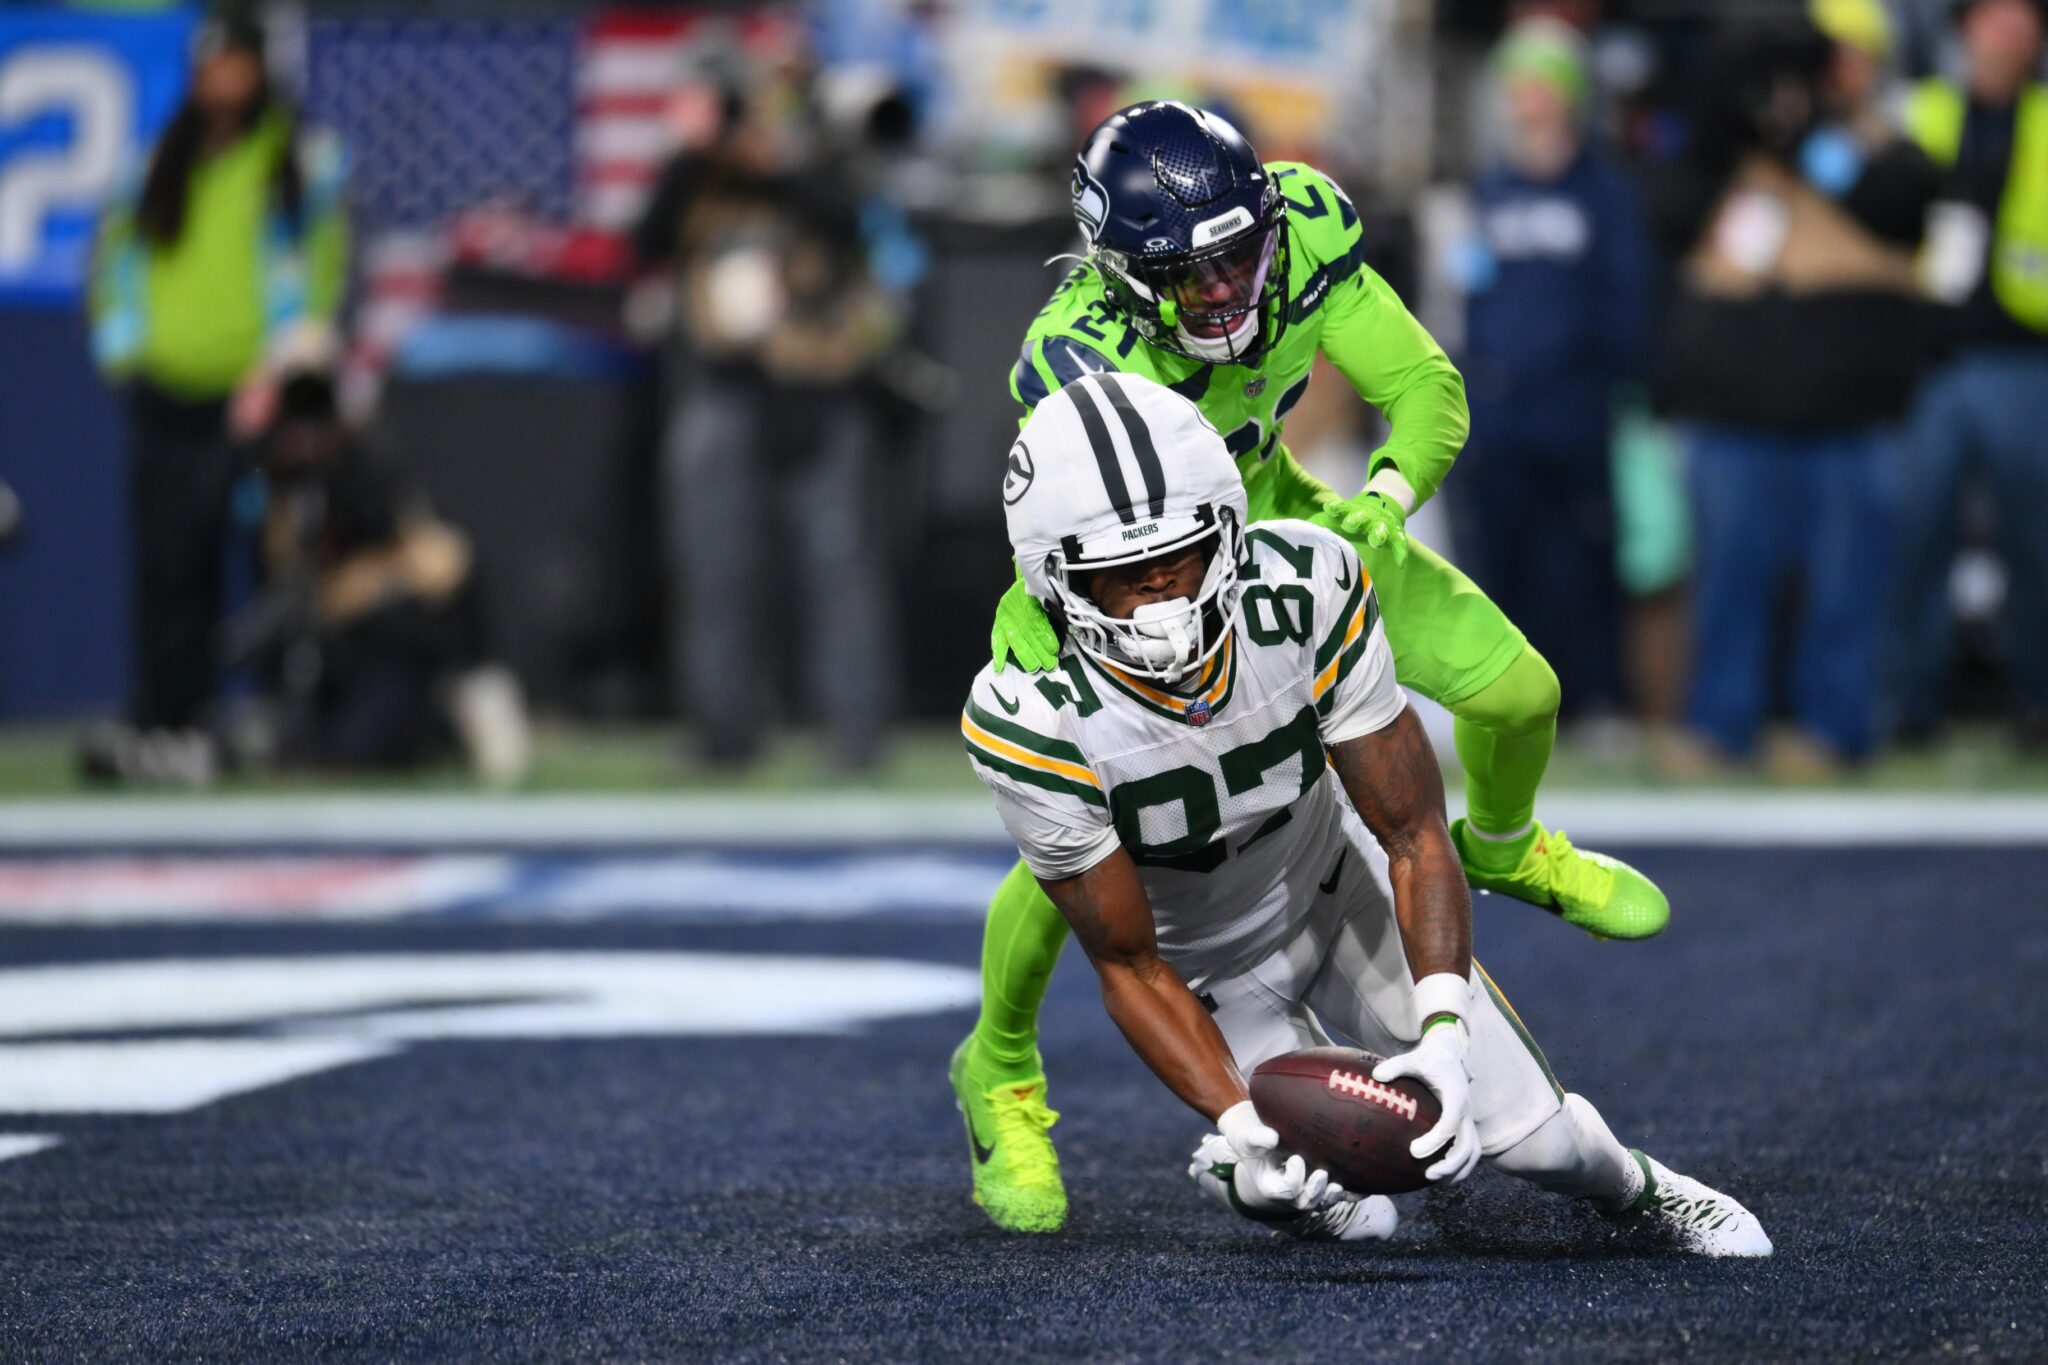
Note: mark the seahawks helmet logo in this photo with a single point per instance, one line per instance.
(1017, 478)
(1091, 203)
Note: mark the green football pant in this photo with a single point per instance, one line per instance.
(1450, 643)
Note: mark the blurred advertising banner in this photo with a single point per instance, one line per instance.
(1290, 40)
(1288, 68)
(82, 96)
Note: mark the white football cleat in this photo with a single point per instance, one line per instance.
(1371, 1219)
(1701, 1220)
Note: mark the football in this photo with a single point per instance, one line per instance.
(1325, 1105)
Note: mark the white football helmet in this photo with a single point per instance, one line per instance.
(1110, 470)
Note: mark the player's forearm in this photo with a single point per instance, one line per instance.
(1427, 425)
(1396, 365)
(1392, 778)
(1167, 1027)
(1172, 1033)
(1432, 905)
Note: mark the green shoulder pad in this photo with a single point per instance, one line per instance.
(1321, 221)
(1078, 332)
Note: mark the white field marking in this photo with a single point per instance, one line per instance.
(437, 822)
(24, 1144)
(84, 888)
(161, 1076)
(1735, 818)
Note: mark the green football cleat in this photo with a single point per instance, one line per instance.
(1016, 1171)
(1602, 895)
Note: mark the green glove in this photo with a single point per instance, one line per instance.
(1374, 519)
(1023, 630)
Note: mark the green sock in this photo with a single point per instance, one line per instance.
(1504, 734)
(1019, 945)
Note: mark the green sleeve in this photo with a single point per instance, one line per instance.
(112, 243)
(326, 264)
(1029, 380)
(1376, 343)
(113, 296)
(326, 239)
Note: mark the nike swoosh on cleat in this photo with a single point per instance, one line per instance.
(981, 1153)
(1009, 707)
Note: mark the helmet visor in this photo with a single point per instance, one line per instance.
(1215, 290)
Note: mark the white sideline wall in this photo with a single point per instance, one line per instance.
(656, 821)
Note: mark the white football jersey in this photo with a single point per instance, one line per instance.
(1219, 790)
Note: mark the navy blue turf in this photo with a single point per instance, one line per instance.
(1850, 1043)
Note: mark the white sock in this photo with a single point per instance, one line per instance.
(1574, 1154)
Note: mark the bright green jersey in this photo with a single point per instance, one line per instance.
(1335, 303)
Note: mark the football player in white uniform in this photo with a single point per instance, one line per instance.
(1179, 787)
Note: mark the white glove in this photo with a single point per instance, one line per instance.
(1438, 1061)
(1265, 1182)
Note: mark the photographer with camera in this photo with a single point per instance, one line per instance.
(367, 624)
(784, 325)
(1985, 409)
(1795, 336)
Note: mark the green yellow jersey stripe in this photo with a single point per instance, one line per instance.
(1013, 760)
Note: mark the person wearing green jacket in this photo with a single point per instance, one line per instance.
(1980, 415)
(222, 263)
(1222, 278)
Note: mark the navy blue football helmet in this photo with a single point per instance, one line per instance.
(1187, 230)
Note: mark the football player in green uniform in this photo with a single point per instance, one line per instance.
(1221, 278)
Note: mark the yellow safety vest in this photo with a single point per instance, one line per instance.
(2019, 239)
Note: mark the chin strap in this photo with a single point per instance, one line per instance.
(1223, 350)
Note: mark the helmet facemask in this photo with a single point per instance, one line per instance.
(1221, 305)
(1160, 641)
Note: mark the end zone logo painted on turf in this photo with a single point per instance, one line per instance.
(166, 1035)
(1366, 1088)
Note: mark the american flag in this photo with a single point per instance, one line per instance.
(629, 64)
(520, 138)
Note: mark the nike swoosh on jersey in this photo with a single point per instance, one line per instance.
(1010, 708)
(1331, 885)
(1344, 573)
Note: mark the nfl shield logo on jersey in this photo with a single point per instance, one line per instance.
(1197, 712)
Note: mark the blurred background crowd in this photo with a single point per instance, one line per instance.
(375, 379)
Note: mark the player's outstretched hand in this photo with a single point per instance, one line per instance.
(1376, 520)
(1438, 1061)
(1023, 632)
(1265, 1180)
